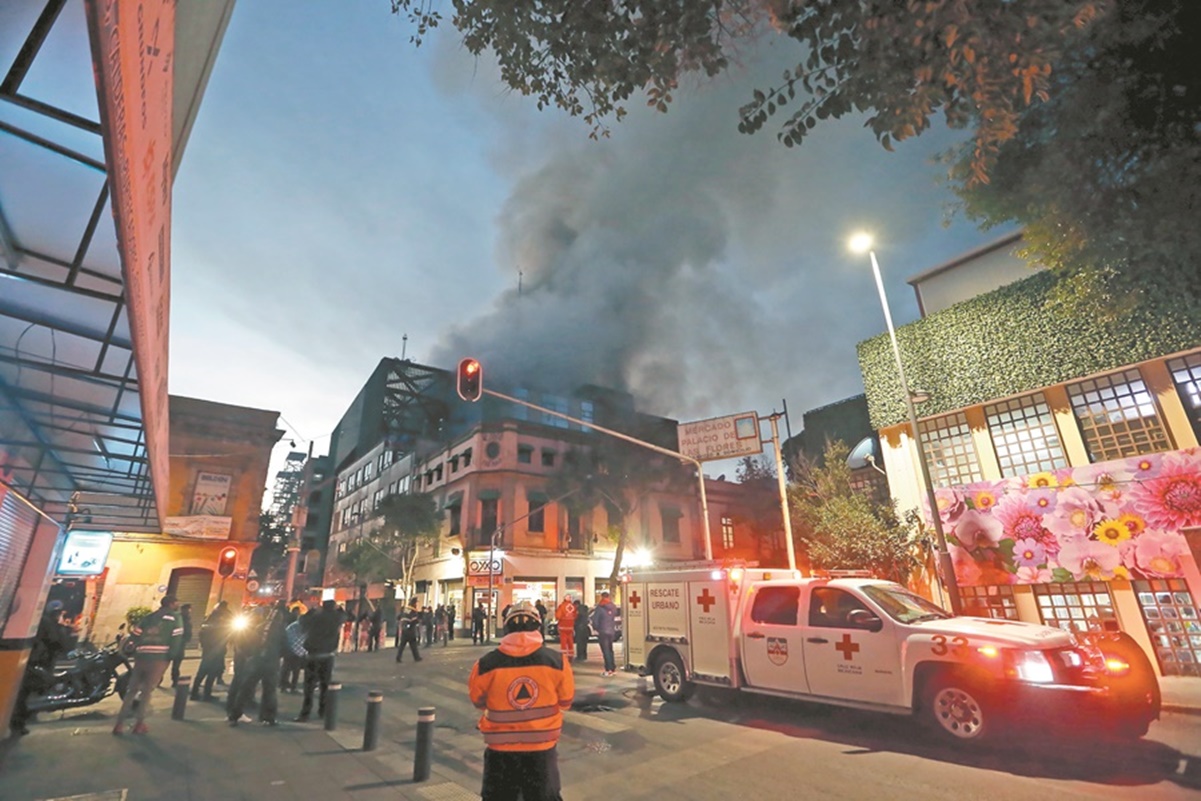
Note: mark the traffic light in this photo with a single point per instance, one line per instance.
(227, 562)
(471, 380)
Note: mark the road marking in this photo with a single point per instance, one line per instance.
(106, 795)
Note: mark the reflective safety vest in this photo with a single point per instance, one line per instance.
(566, 614)
(523, 688)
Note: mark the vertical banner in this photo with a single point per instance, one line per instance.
(133, 44)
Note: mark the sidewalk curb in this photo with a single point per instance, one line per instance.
(1181, 709)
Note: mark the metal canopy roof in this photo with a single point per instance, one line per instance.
(71, 420)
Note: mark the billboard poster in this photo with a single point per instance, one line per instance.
(211, 494)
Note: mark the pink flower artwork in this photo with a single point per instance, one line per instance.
(1087, 560)
(1120, 519)
(1172, 499)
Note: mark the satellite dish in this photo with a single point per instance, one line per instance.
(862, 454)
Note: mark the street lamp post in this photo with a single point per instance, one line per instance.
(861, 243)
(490, 622)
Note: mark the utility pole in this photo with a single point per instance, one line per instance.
(775, 441)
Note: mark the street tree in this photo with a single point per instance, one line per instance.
(392, 544)
(273, 537)
(1103, 173)
(616, 477)
(1083, 114)
(409, 523)
(839, 527)
(755, 470)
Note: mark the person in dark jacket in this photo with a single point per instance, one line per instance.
(158, 637)
(322, 628)
(185, 614)
(377, 629)
(581, 631)
(293, 662)
(604, 620)
(427, 625)
(410, 627)
(478, 616)
(52, 641)
(450, 621)
(214, 641)
(246, 640)
(264, 643)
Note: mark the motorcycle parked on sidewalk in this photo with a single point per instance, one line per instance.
(86, 679)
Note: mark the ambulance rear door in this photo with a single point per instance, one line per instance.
(633, 624)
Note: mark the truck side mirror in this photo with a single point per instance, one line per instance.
(864, 619)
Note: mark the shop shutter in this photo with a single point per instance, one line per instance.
(17, 524)
(191, 585)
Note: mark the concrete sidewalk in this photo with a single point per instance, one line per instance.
(202, 759)
(73, 754)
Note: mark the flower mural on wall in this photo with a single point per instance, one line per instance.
(1119, 519)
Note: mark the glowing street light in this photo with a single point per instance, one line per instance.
(861, 242)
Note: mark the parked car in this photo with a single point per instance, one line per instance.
(552, 629)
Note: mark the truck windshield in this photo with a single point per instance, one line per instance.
(902, 605)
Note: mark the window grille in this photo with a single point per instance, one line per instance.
(1024, 435)
(1074, 606)
(1171, 618)
(950, 453)
(1186, 372)
(1118, 417)
(993, 601)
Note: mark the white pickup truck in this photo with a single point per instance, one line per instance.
(866, 643)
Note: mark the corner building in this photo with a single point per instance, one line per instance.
(489, 466)
(1063, 450)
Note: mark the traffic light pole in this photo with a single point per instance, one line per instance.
(700, 473)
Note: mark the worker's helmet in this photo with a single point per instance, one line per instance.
(522, 616)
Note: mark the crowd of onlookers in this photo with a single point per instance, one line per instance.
(291, 648)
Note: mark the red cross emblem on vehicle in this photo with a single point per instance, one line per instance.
(634, 599)
(848, 647)
(706, 600)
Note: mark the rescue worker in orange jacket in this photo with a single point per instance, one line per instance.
(566, 614)
(523, 688)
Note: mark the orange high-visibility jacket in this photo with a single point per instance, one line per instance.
(523, 688)
(565, 614)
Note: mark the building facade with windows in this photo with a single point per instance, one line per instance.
(1063, 450)
(490, 467)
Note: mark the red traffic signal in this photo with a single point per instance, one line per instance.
(470, 380)
(227, 562)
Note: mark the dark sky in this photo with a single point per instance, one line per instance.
(342, 190)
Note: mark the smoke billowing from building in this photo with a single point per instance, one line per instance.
(700, 269)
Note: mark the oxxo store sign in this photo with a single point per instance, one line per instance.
(482, 564)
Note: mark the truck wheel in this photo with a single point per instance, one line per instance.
(955, 708)
(669, 679)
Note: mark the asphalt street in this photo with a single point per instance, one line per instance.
(617, 744)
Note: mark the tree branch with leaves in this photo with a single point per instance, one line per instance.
(841, 528)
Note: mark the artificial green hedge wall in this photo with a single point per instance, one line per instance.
(1011, 340)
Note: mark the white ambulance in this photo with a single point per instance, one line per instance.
(866, 643)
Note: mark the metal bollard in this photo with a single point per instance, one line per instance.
(331, 706)
(425, 744)
(182, 687)
(375, 704)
